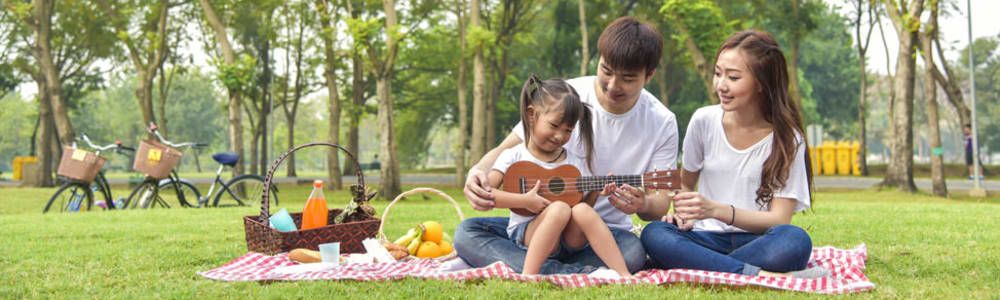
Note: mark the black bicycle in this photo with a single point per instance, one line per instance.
(76, 195)
(238, 191)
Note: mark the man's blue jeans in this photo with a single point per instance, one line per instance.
(782, 248)
(483, 241)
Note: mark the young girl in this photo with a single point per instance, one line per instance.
(549, 111)
(748, 157)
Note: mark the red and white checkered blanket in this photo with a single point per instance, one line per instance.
(846, 266)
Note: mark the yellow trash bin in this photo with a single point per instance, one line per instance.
(18, 165)
(828, 158)
(814, 159)
(844, 158)
(855, 163)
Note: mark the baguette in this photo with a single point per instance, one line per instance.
(304, 256)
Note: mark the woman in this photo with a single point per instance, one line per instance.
(747, 156)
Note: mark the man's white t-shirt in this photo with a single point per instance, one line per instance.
(732, 176)
(633, 143)
(520, 153)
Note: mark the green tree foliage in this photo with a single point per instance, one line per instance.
(17, 119)
(829, 76)
(986, 59)
(193, 100)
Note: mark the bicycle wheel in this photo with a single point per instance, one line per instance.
(71, 197)
(243, 190)
(144, 195)
(170, 193)
(103, 193)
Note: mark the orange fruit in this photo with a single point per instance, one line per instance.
(445, 247)
(432, 231)
(428, 249)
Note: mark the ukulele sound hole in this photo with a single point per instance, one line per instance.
(557, 185)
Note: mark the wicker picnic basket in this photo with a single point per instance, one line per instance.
(80, 164)
(262, 238)
(155, 159)
(461, 217)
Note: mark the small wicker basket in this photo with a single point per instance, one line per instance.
(80, 164)
(461, 217)
(155, 159)
(264, 239)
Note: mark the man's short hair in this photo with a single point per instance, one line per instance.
(631, 45)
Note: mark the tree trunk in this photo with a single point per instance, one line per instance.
(43, 35)
(290, 161)
(463, 121)
(939, 186)
(862, 109)
(584, 64)
(254, 149)
(900, 171)
(235, 99)
(793, 60)
(793, 74)
(477, 146)
(700, 62)
(330, 73)
(354, 115)
(951, 88)
(46, 128)
(383, 88)
(144, 96)
(165, 82)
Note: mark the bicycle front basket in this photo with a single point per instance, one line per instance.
(155, 159)
(80, 164)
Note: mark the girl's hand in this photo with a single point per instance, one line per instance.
(626, 198)
(539, 203)
(693, 206)
(681, 224)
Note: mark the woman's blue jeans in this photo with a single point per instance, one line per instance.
(483, 241)
(783, 248)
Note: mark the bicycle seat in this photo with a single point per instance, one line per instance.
(226, 158)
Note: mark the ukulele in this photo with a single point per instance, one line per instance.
(565, 184)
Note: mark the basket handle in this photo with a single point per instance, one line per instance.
(265, 204)
(381, 234)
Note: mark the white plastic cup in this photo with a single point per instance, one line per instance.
(330, 252)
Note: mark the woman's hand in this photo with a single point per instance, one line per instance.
(681, 224)
(537, 203)
(693, 206)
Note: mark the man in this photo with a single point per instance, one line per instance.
(633, 134)
(967, 130)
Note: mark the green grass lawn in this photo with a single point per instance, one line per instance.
(918, 247)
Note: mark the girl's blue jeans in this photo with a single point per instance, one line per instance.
(782, 248)
(482, 241)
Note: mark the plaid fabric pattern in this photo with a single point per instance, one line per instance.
(846, 266)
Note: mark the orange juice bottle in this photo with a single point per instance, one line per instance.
(315, 213)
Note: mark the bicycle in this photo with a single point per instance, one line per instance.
(238, 189)
(76, 195)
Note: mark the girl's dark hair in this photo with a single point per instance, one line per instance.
(767, 64)
(552, 94)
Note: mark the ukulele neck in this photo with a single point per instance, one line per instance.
(597, 183)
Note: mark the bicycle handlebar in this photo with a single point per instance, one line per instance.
(116, 144)
(155, 131)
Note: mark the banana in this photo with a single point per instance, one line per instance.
(407, 238)
(415, 243)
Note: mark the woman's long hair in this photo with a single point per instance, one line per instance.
(767, 64)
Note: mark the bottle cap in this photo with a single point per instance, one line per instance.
(318, 184)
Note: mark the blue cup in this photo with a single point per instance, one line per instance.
(282, 221)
